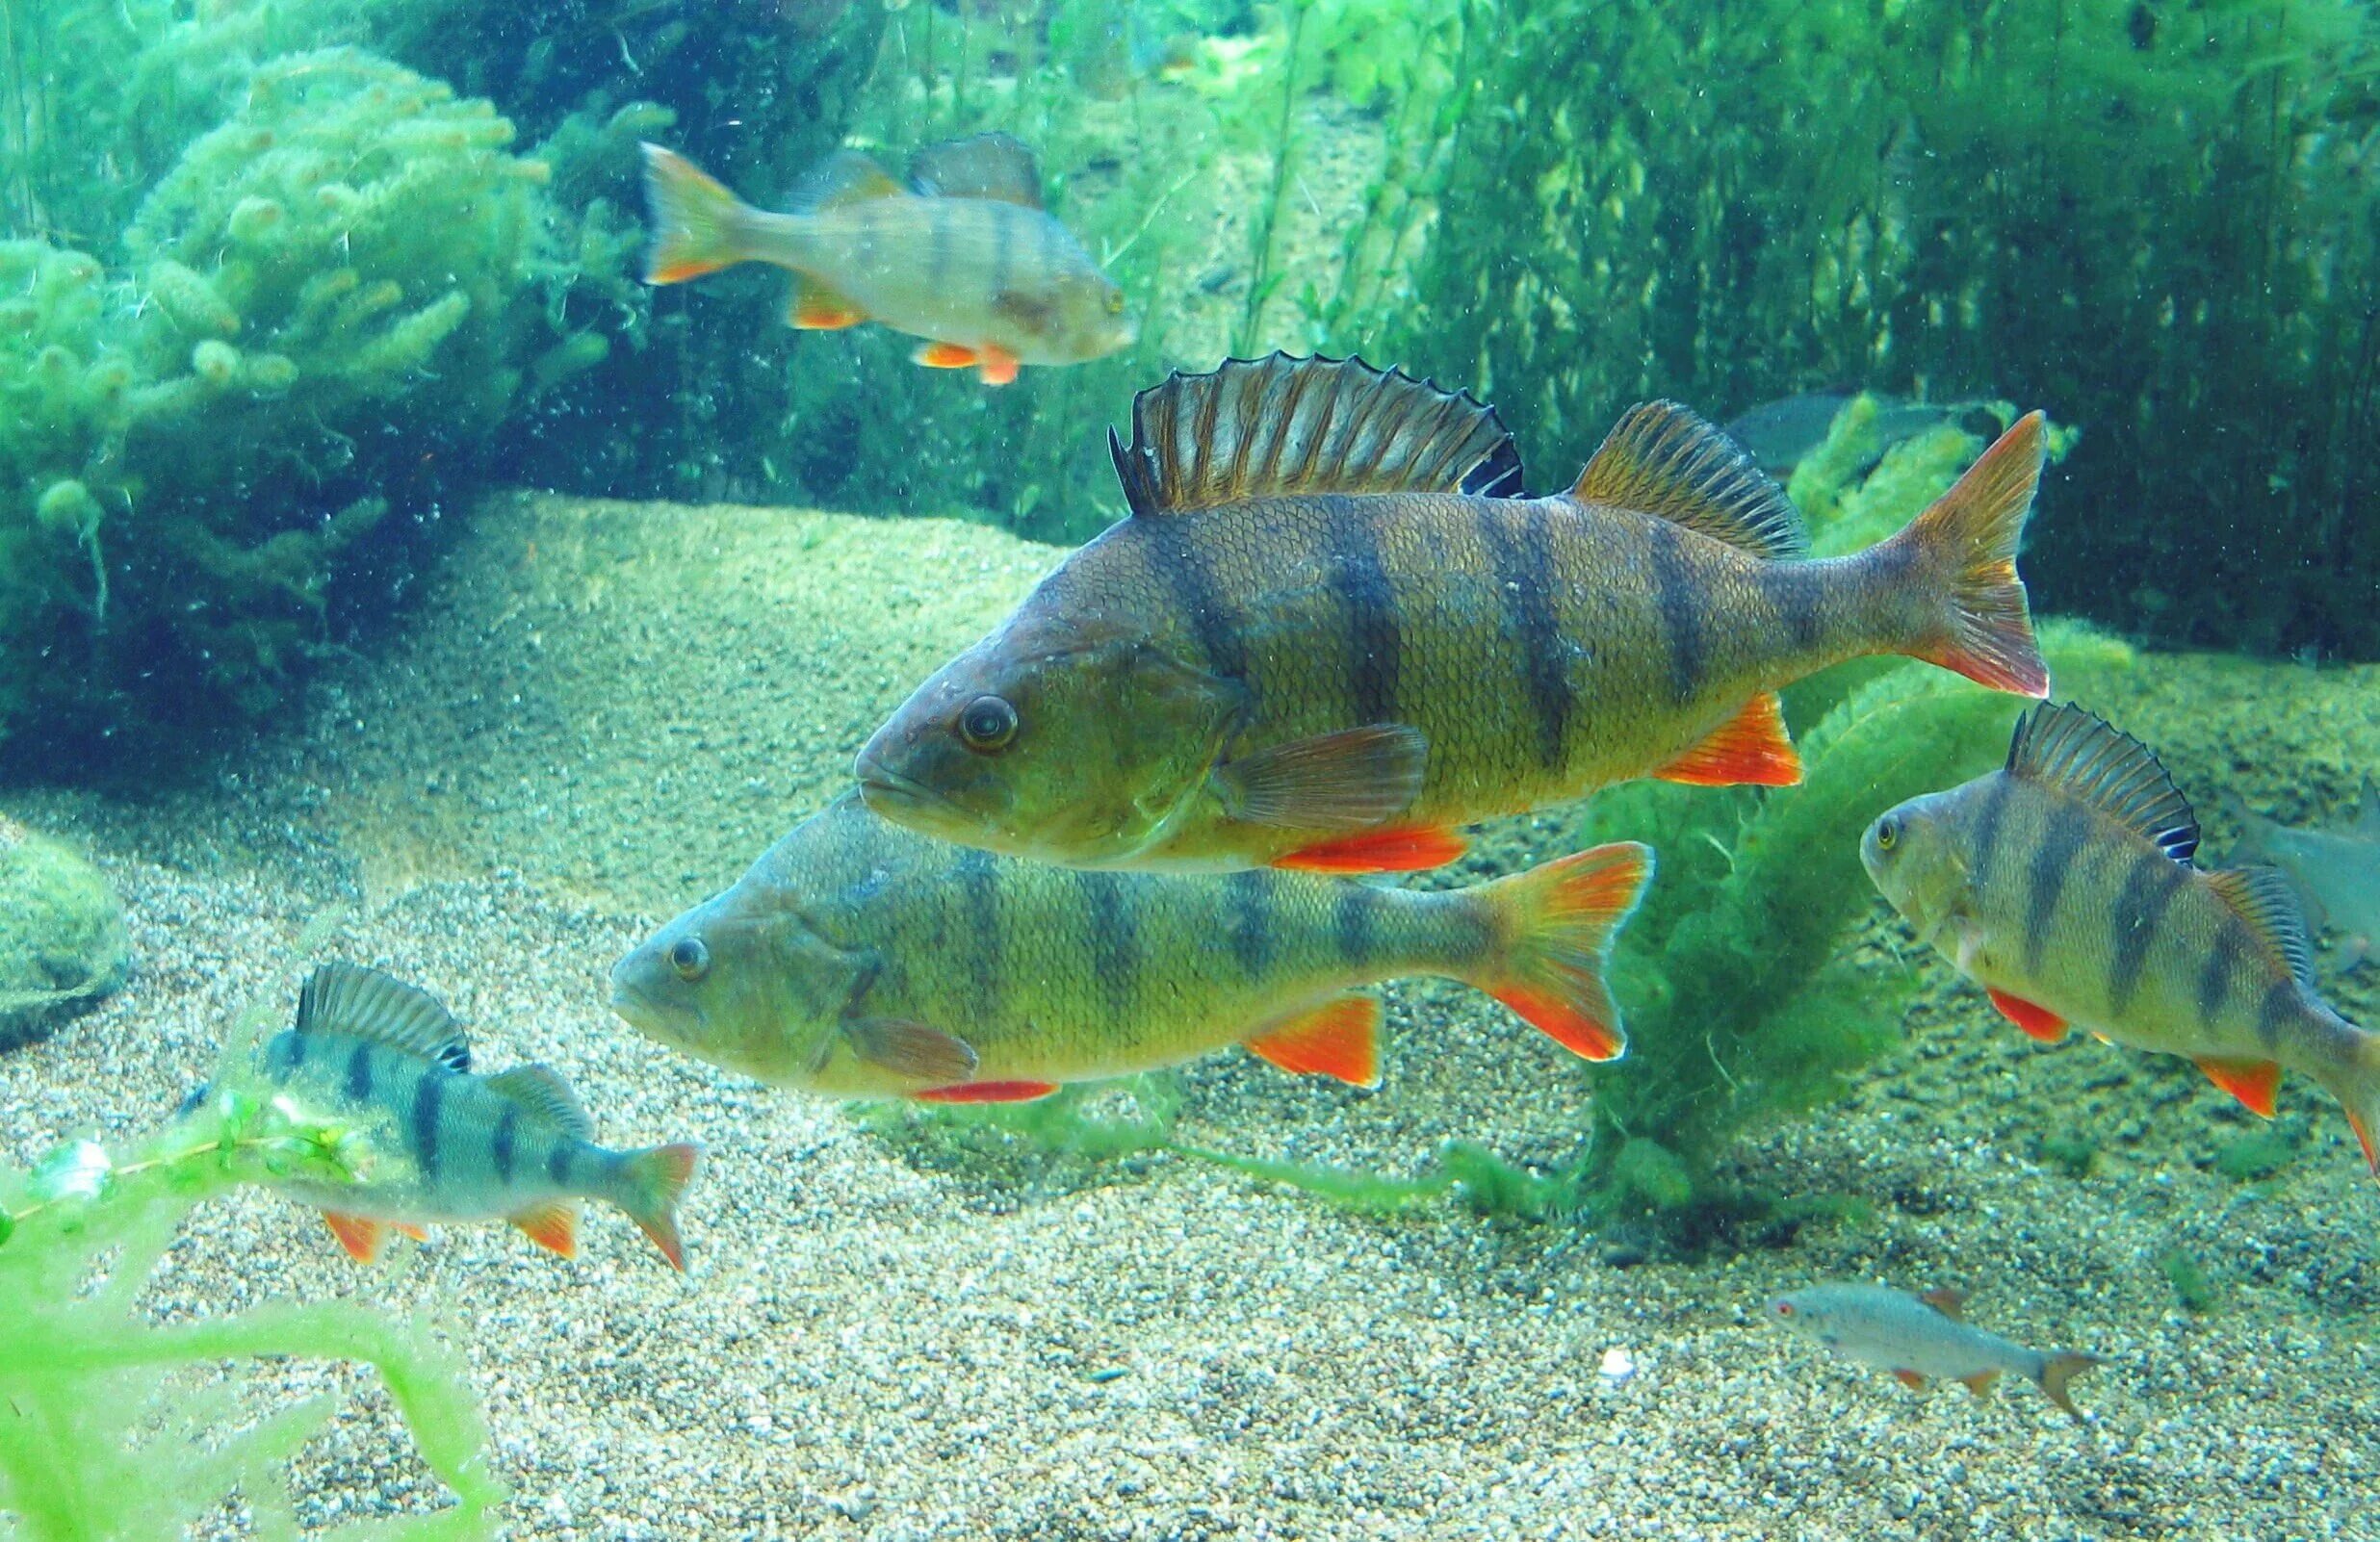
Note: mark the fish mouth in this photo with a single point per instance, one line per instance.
(887, 790)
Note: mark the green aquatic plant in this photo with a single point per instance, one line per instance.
(2262, 1153)
(2198, 1289)
(110, 1424)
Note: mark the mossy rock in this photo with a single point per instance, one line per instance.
(63, 945)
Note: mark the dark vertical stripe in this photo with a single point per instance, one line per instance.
(1251, 920)
(938, 249)
(1375, 638)
(2062, 841)
(979, 881)
(1179, 562)
(429, 1095)
(1115, 940)
(290, 1051)
(1351, 925)
(508, 1128)
(1523, 566)
(2148, 889)
(1791, 590)
(2215, 976)
(2279, 1006)
(359, 1074)
(1003, 238)
(1988, 822)
(1676, 594)
(559, 1162)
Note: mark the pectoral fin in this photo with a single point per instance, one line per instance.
(2254, 1082)
(2039, 1022)
(1351, 780)
(911, 1049)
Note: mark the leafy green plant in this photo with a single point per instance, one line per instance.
(108, 1425)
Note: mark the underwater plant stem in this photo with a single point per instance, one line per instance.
(1268, 218)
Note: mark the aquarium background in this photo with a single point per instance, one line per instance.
(386, 572)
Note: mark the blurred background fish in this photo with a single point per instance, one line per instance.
(965, 256)
(2336, 872)
(857, 959)
(517, 1144)
(1919, 1337)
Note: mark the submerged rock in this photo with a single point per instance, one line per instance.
(63, 945)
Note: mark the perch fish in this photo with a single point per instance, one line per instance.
(965, 256)
(1917, 1337)
(2337, 872)
(2063, 884)
(515, 1145)
(859, 960)
(1331, 631)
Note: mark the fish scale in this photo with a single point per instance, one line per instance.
(857, 959)
(1328, 633)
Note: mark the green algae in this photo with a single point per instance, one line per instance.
(63, 943)
(108, 1426)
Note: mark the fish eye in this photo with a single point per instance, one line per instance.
(1888, 833)
(1784, 1309)
(689, 957)
(1114, 303)
(987, 725)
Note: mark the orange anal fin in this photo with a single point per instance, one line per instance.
(412, 1229)
(944, 356)
(822, 314)
(1401, 849)
(1581, 1034)
(1341, 1038)
(1910, 1379)
(999, 366)
(987, 1092)
(1981, 1382)
(360, 1235)
(2362, 1138)
(1750, 748)
(2039, 1022)
(2254, 1082)
(552, 1225)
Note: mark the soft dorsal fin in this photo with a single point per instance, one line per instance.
(1265, 427)
(1948, 1300)
(2262, 897)
(1661, 460)
(2061, 745)
(542, 1091)
(348, 998)
(982, 165)
(845, 178)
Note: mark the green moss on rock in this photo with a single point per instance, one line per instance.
(63, 945)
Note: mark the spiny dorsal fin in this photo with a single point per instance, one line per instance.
(2061, 745)
(1264, 427)
(1947, 1300)
(542, 1091)
(983, 165)
(348, 998)
(844, 177)
(2262, 897)
(1661, 460)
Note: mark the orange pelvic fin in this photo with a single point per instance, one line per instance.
(1398, 849)
(987, 1092)
(999, 366)
(2039, 1022)
(552, 1225)
(1339, 1038)
(2254, 1082)
(1910, 1379)
(1557, 923)
(817, 308)
(946, 356)
(1751, 747)
(360, 1235)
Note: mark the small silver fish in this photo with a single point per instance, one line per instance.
(1916, 1337)
(2336, 872)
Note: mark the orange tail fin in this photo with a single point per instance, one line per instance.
(2356, 1084)
(653, 1181)
(1965, 545)
(1557, 923)
(697, 223)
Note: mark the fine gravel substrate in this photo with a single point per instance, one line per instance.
(602, 711)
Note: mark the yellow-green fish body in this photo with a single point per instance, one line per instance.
(1328, 634)
(858, 958)
(456, 1147)
(966, 257)
(2064, 884)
